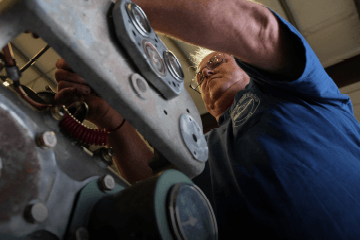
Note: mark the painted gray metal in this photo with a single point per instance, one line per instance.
(30, 173)
(82, 32)
(136, 35)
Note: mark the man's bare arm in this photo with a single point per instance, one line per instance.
(247, 30)
(131, 152)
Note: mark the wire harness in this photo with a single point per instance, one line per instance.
(69, 123)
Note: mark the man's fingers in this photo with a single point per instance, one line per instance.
(63, 75)
(67, 96)
(80, 88)
(61, 64)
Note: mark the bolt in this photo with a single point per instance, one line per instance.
(107, 155)
(37, 212)
(81, 234)
(46, 139)
(58, 112)
(107, 183)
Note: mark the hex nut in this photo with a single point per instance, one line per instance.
(107, 154)
(107, 183)
(36, 213)
(46, 139)
(58, 112)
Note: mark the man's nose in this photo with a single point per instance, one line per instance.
(207, 72)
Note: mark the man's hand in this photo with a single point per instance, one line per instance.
(72, 88)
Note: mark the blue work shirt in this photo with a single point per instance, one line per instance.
(285, 160)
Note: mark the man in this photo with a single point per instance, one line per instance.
(284, 162)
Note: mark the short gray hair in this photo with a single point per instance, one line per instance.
(199, 55)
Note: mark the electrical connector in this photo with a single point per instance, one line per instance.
(14, 74)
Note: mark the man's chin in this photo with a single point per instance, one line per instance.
(224, 102)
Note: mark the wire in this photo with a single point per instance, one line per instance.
(69, 123)
(7, 57)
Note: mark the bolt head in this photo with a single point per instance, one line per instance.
(37, 212)
(47, 139)
(107, 183)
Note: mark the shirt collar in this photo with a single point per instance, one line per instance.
(226, 115)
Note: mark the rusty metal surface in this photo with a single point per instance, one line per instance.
(21, 168)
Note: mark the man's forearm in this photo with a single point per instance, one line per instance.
(131, 152)
(207, 23)
(242, 28)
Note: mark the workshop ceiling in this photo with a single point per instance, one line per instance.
(331, 27)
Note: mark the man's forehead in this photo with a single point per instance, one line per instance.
(205, 60)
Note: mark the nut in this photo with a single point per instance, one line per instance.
(107, 155)
(58, 112)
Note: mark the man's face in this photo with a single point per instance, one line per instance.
(221, 84)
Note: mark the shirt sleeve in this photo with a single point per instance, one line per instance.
(314, 82)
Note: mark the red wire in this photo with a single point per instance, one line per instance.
(9, 61)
